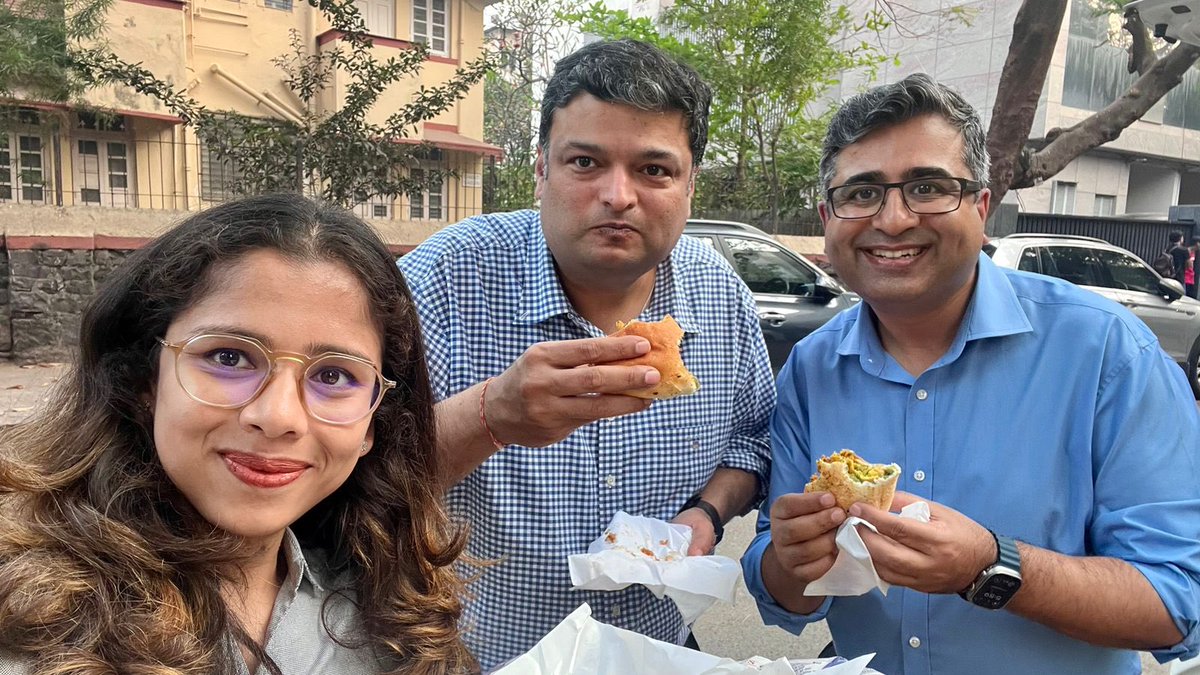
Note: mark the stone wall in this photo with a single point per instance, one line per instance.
(53, 259)
(46, 290)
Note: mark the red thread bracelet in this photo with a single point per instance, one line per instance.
(483, 415)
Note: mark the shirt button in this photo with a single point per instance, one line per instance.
(610, 480)
(918, 475)
(695, 445)
(922, 394)
(616, 611)
(914, 642)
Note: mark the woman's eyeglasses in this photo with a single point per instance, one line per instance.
(229, 371)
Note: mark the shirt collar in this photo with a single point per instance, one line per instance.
(993, 311)
(298, 568)
(543, 297)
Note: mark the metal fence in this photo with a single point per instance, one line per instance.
(1145, 238)
(109, 170)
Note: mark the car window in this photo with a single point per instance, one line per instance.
(767, 268)
(1029, 260)
(1128, 273)
(706, 240)
(1076, 264)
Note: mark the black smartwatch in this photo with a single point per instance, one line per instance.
(1000, 581)
(696, 503)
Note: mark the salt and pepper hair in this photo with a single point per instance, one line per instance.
(635, 74)
(892, 104)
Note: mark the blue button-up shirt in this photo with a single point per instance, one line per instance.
(486, 290)
(1054, 418)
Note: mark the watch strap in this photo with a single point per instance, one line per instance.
(1008, 554)
(695, 502)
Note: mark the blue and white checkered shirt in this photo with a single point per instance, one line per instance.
(486, 289)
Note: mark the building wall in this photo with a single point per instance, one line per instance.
(970, 56)
(221, 53)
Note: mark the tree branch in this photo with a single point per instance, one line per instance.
(1141, 48)
(1035, 32)
(1107, 125)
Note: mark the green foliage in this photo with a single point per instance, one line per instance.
(509, 107)
(532, 37)
(37, 40)
(769, 64)
(338, 155)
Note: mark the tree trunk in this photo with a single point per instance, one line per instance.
(1035, 32)
(1107, 125)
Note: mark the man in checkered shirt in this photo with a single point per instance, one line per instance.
(540, 447)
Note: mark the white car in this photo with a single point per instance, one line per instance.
(1119, 276)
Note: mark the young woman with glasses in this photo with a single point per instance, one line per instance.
(239, 475)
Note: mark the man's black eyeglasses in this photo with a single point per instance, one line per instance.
(926, 196)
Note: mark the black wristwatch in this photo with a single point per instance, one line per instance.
(1000, 581)
(696, 503)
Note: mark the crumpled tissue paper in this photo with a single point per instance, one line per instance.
(853, 573)
(653, 553)
(580, 645)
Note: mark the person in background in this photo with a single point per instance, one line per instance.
(539, 444)
(1189, 277)
(1181, 257)
(1052, 438)
(238, 476)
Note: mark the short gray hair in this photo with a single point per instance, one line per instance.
(890, 104)
(632, 73)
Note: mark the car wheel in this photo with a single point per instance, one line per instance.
(1193, 369)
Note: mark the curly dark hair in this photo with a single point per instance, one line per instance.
(105, 566)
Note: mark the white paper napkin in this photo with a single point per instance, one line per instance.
(853, 573)
(653, 553)
(580, 645)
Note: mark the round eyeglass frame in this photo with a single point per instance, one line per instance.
(965, 185)
(273, 356)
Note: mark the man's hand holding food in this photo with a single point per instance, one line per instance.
(944, 555)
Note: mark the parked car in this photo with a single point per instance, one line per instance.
(1118, 275)
(794, 296)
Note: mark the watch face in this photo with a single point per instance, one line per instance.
(996, 591)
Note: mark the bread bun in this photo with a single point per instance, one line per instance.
(665, 337)
(850, 478)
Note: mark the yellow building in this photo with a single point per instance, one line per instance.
(221, 52)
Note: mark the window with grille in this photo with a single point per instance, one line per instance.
(429, 203)
(22, 171)
(103, 172)
(429, 24)
(218, 175)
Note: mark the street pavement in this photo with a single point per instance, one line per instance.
(734, 630)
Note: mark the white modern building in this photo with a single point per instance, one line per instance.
(1154, 165)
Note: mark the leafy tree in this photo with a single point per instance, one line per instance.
(37, 41)
(769, 63)
(1016, 164)
(338, 155)
(532, 37)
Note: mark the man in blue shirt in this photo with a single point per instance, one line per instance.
(539, 444)
(1054, 441)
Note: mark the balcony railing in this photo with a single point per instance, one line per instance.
(104, 170)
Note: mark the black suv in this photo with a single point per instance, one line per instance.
(794, 296)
